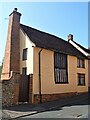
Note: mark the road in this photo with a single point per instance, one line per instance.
(78, 109)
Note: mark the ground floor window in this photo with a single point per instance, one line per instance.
(81, 79)
(24, 71)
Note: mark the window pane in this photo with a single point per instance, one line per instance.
(25, 54)
(24, 71)
(80, 63)
(60, 75)
(60, 61)
(81, 79)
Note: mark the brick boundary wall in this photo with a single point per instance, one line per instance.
(51, 97)
(30, 88)
(10, 90)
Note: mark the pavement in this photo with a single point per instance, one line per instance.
(23, 110)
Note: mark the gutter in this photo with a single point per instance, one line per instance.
(39, 55)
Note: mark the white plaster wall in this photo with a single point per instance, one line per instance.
(26, 43)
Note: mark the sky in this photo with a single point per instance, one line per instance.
(57, 18)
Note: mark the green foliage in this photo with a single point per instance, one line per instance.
(0, 70)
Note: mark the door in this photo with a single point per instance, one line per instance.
(24, 88)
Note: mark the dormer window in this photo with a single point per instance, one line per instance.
(80, 63)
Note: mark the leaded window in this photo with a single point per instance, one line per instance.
(60, 68)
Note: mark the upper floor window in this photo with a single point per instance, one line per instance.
(24, 57)
(60, 68)
(81, 79)
(80, 63)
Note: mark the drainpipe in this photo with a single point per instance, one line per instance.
(39, 54)
(89, 74)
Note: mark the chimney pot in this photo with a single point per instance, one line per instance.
(70, 37)
(15, 9)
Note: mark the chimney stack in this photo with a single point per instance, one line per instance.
(70, 37)
(12, 49)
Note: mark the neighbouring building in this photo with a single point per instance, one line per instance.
(86, 52)
(48, 66)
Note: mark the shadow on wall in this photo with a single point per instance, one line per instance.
(73, 101)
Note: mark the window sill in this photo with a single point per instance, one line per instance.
(80, 85)
(24, 59)
(81, 67)
(61, 82)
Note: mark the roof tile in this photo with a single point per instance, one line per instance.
(48, 41)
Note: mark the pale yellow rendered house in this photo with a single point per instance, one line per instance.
(58, 68)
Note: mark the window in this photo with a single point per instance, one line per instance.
(60, 68)
(24, 71)
(80, 63)
(81, 79)
(24, 54)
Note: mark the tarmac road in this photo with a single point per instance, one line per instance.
(73, 107)
(78, 109)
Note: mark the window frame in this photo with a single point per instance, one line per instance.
(79, 64)
(24, 54)
(81, 76)
(61, 68)
(24, 68)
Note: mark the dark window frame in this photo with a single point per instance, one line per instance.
(81, 79)
(80, 63)
(24, 71)
(24, 55)
(60, 68)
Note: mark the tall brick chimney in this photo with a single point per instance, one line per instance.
(12, 54)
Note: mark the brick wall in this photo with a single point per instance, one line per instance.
(10, 90)
(51, 97)
(31, 88)
(12, 54)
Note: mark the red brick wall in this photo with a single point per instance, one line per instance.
(15, 44)
(50, 97)
(12, 54)
(31, 88)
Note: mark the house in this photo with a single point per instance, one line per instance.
(58, 67)
(86, 52)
